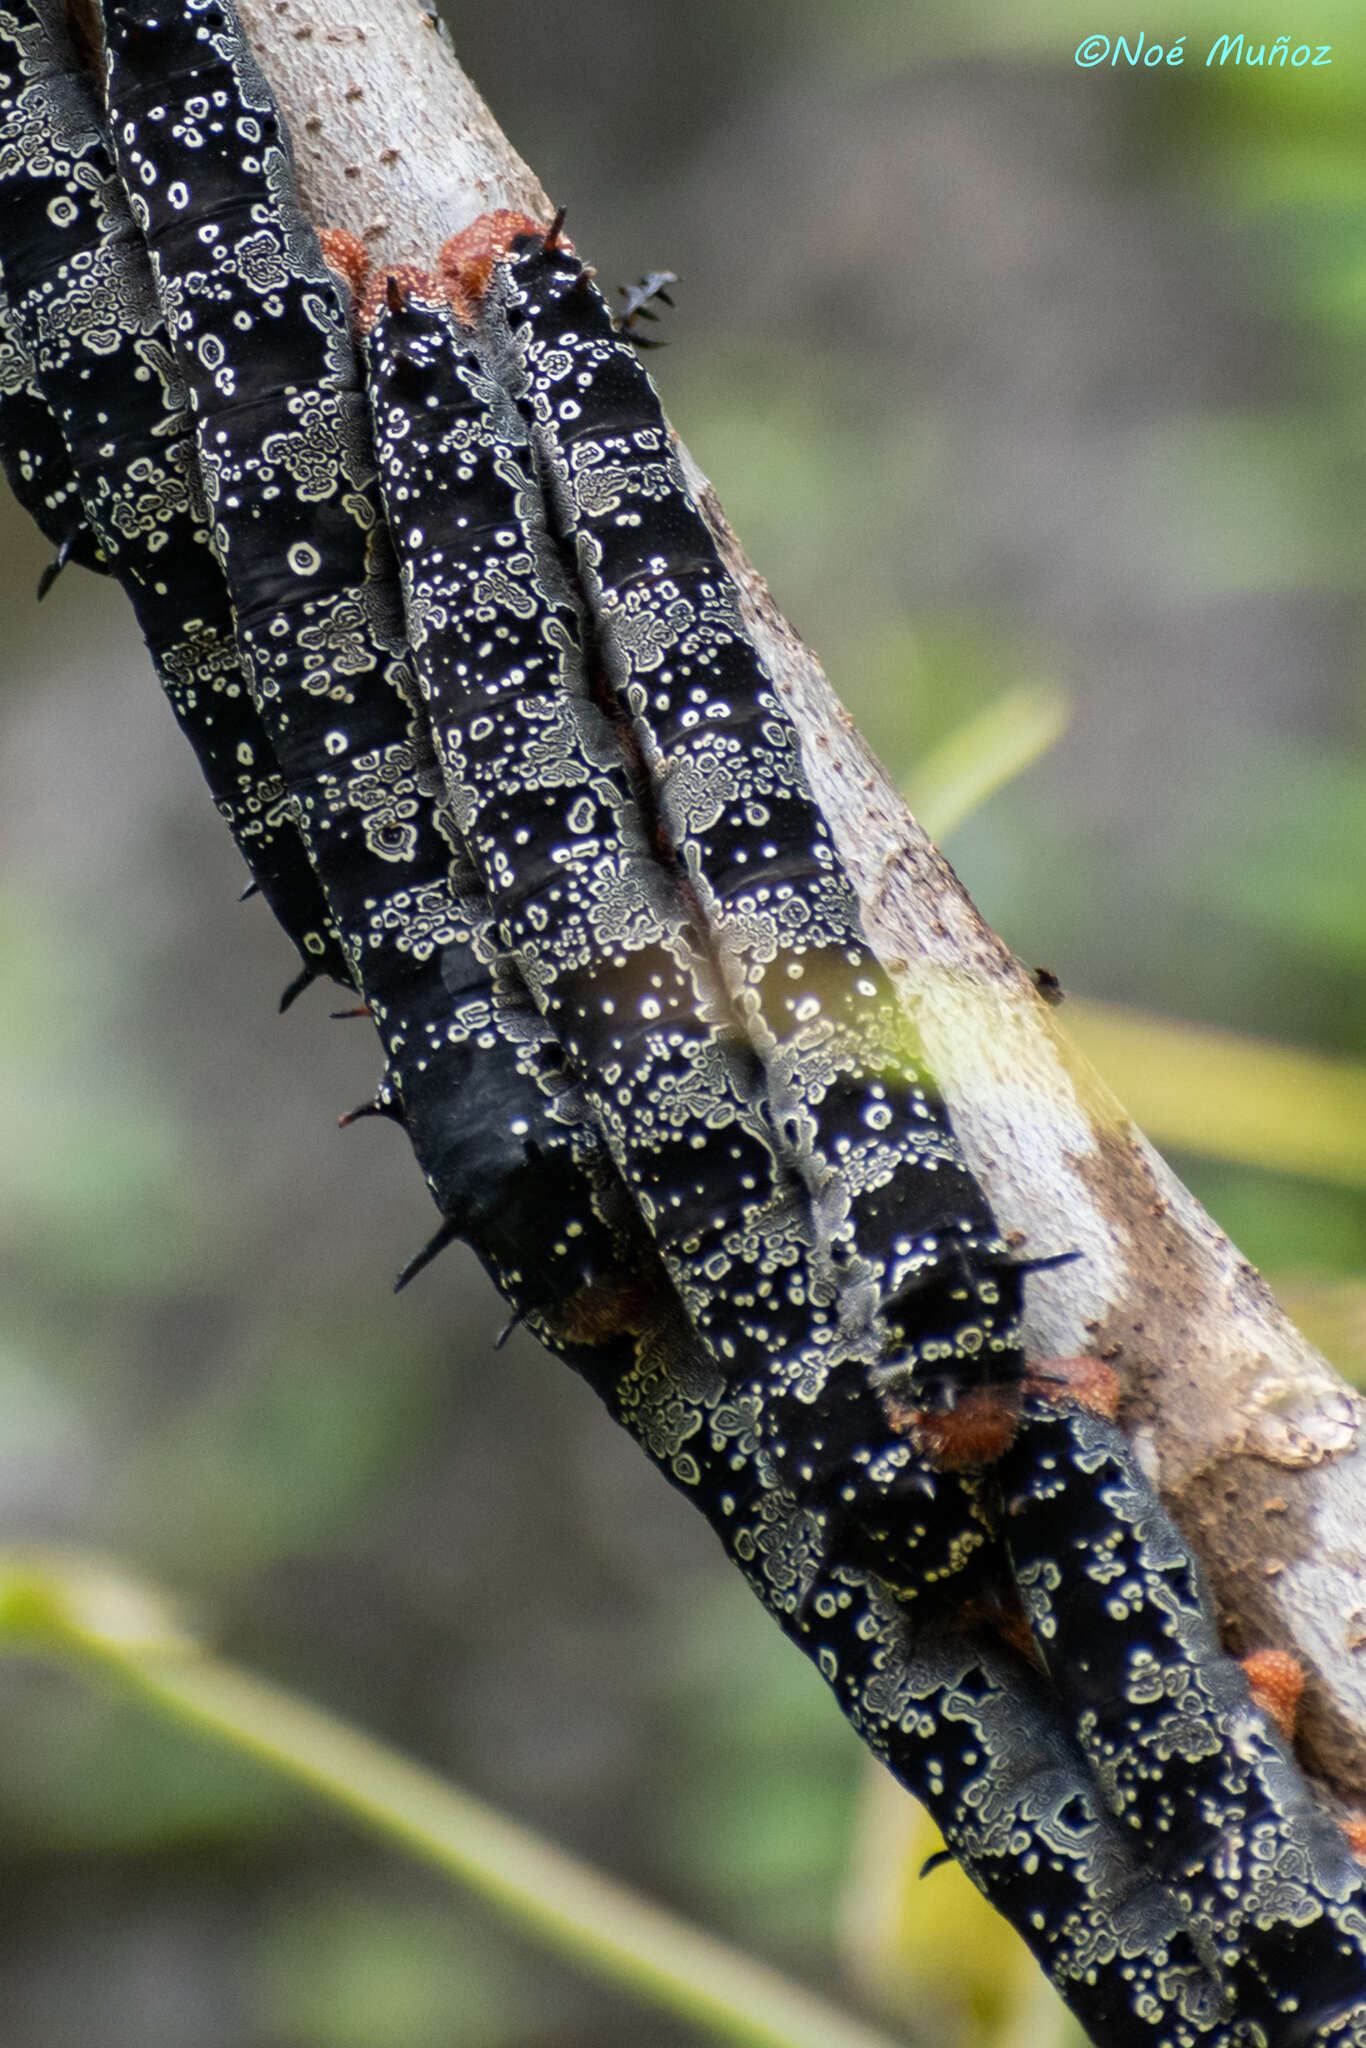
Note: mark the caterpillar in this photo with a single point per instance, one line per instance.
(963, 1721)
(260, 335)
(809, 1326)
(537, 781)
(538, 789)
(31, 449)
(1269, 1885)
(671, 644)
(118, 447)
(848, 1085)
(483, 621)
(483, 606)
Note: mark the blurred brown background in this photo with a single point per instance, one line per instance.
(1006, 371)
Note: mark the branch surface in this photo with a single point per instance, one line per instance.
(1254, 1442)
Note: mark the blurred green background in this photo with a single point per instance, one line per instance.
(1007, 372)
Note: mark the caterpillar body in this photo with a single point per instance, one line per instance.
(1140, 1676)
(32, 451)
(1272, 1891)
(591, 914)
(34, 458)
(82, 307)
(764, 1280)
(492, 637)
(920, 1249)
(538, 786)
(260, 335)
(967, 1723)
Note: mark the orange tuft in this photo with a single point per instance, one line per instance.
(1355, 1831)
(977, 1430)
(467, 259)
(1276, 1680)
(347, 256)
(394, 286)
(999, 1613)
(1013, 1628)
(1086, 1381)
(606, 1308)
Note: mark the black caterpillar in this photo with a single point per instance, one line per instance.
(539, 791)
(1142, 1673)
(929, 1294)
(493, 640)
(894, 1275)
(260, 334)
(602, 936)
(1274, 1897)
(32, 451)
(967, 1724)
(82, 304)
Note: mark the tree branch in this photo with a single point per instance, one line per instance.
(1253, 1440)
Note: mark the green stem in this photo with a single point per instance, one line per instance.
(88, 1612)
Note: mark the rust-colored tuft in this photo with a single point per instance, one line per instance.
(467, 259)
(348, 257)
(606, 1308)
(1087, 1381)
(394, 286)
(977, 1430)
(1277, 1682)
(1355, 1831)
(1001, 1613)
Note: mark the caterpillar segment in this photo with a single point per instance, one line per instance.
(260, 336)
(36, 465)
(934, 1681)
(1185, 1755)
(32, 451)
(81, 304)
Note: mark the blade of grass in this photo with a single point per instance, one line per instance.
(959, 775)
(88, 1612)
(1245, 1099)
(1201, 1090)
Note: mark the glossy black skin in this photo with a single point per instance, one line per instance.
(1274, 1896)
(37, 467)
(541, 790)
(906, 1224)
(1113, 1596)
(871, 1560)
(261, 337)
(118, 468)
